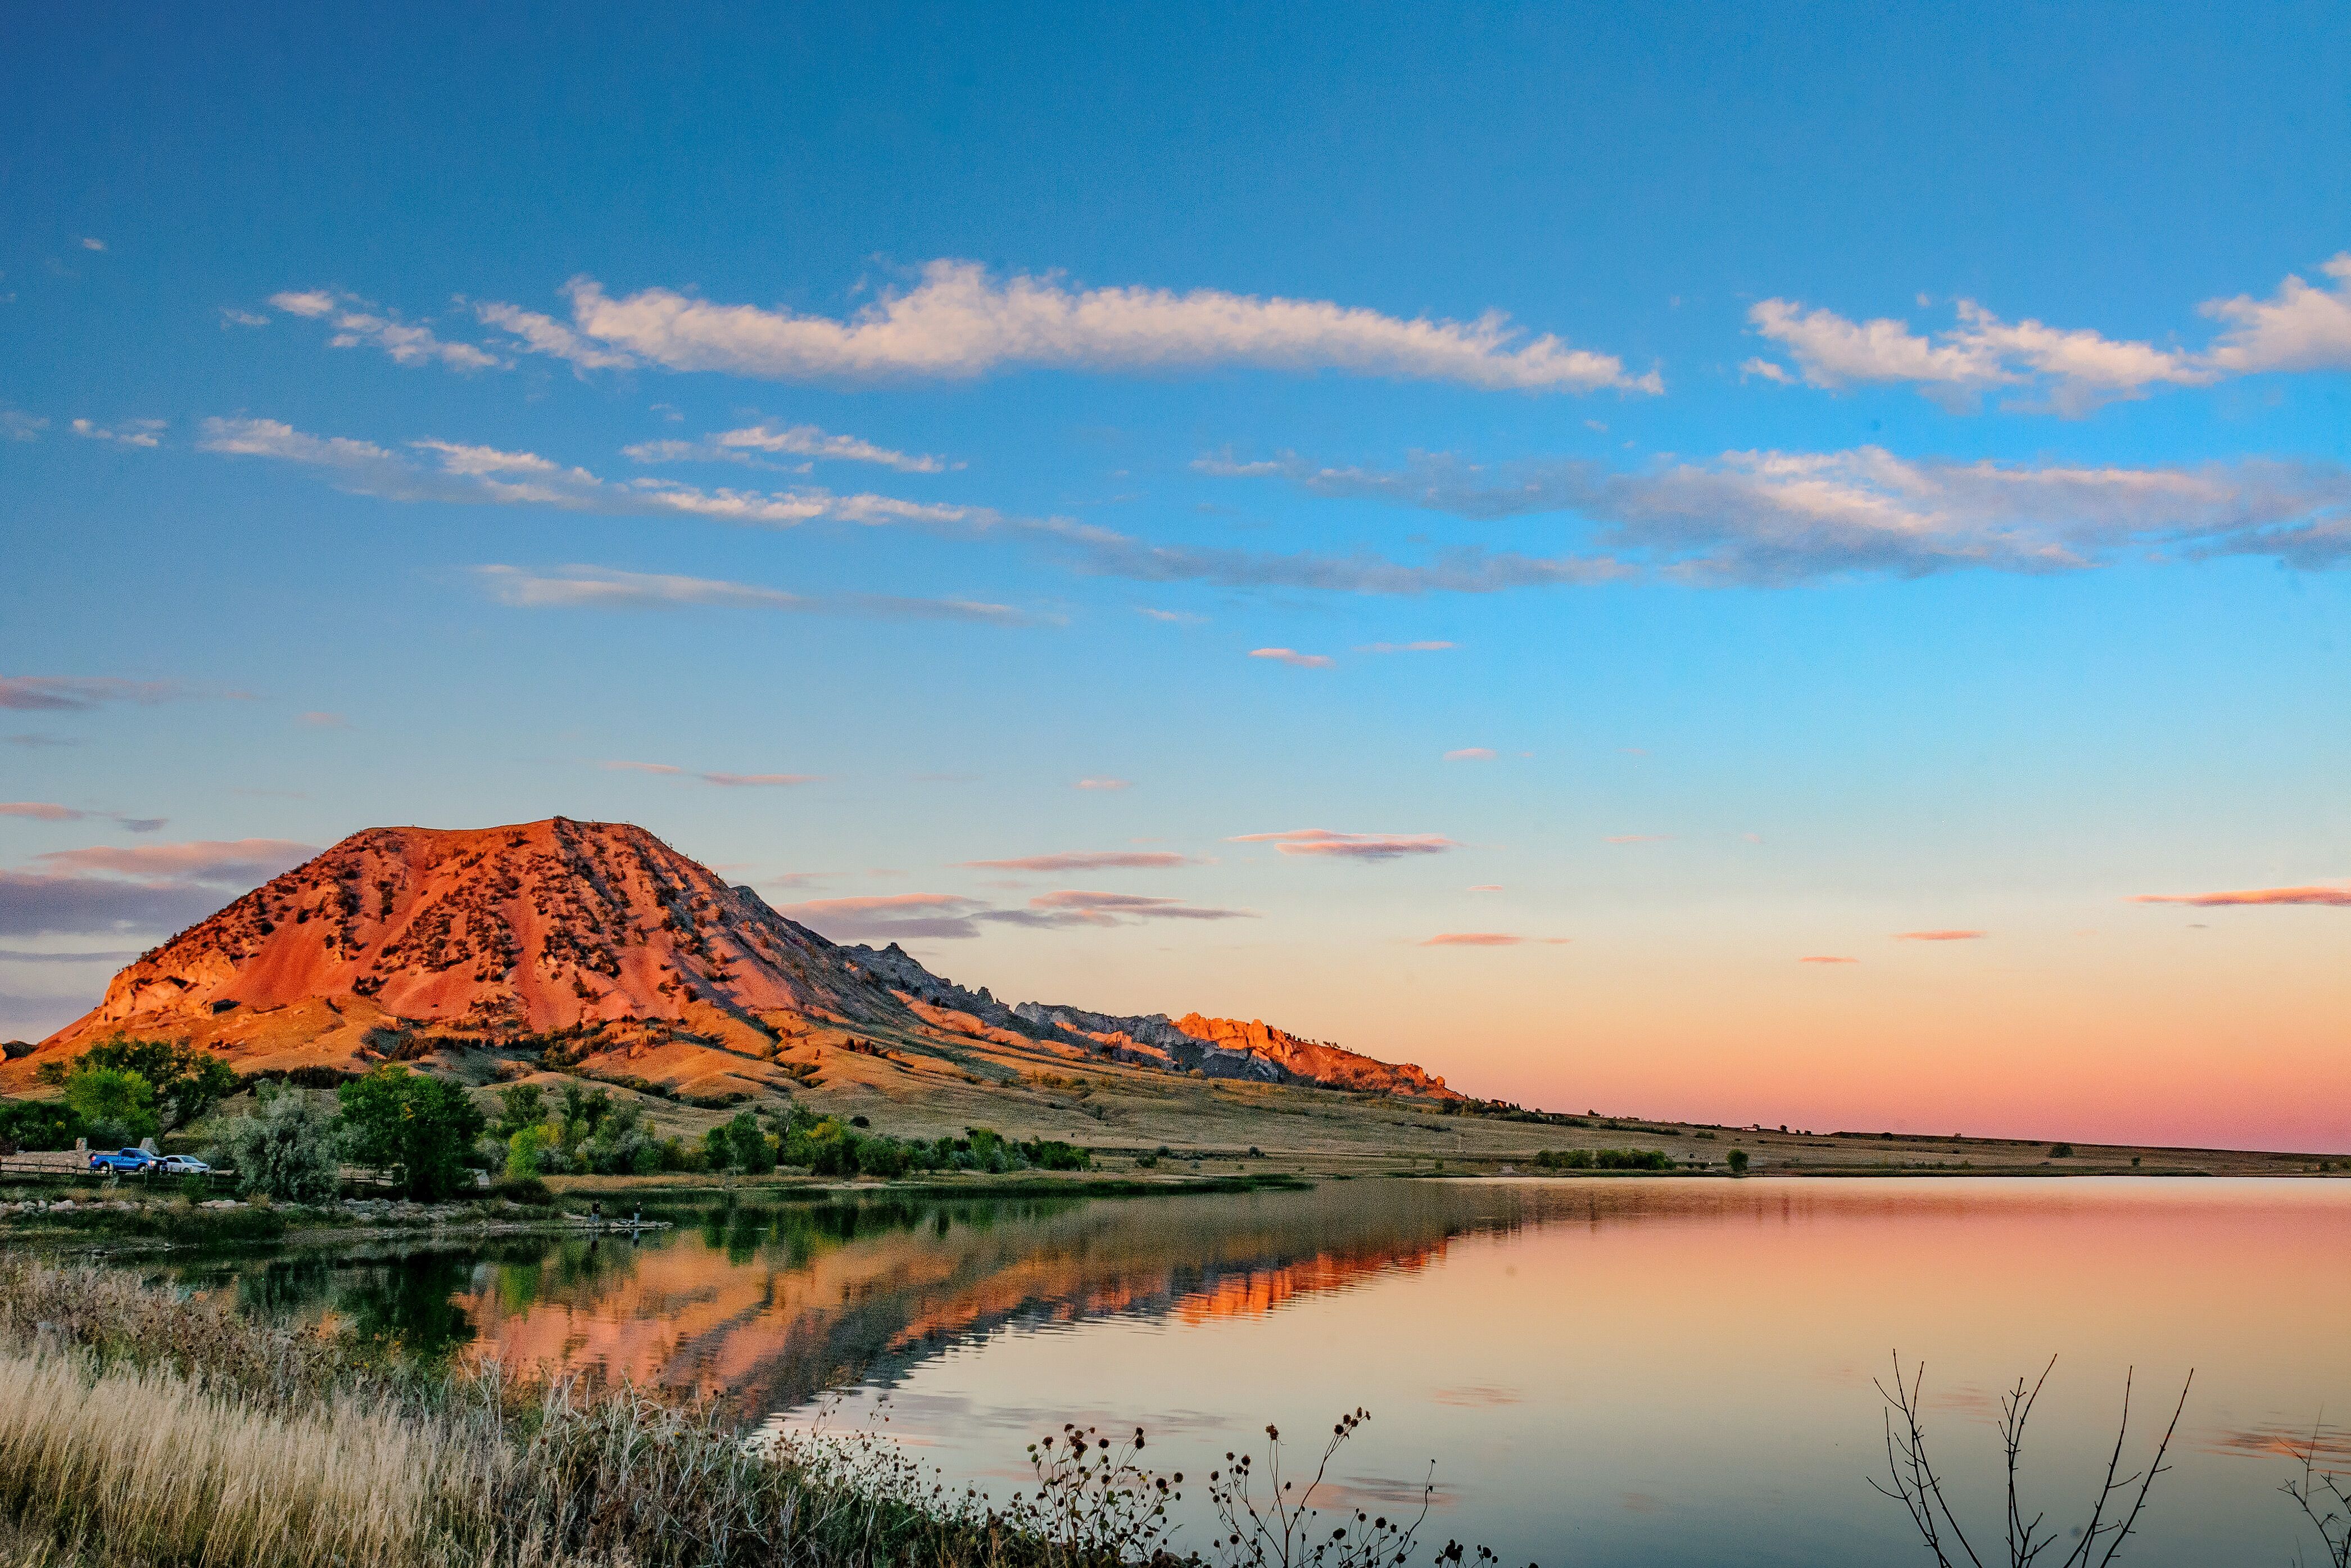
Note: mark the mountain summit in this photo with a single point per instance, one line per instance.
(601, 943)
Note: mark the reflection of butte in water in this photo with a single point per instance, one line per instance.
(787, 1303)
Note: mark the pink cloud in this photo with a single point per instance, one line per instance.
(1940, 935)
(1490, 939)
(322, 720)
(48, 811)
(888, 918)
(1103, 784)
(1827, 959)
(204, 859)
(1116, 908)
(2334, 897)
(40, 812)
(1471, 754)
(1349, 846)
(1086, 860)
(1638, 838)
(1488, 887)
(1293, 658)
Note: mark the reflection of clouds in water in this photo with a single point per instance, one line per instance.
(1475, 1396)
(957, 1412)
(1644, 1502)
(1374, 1493)
(2330, 1446)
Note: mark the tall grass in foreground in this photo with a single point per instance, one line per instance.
(152, 1465)
(143, 1429)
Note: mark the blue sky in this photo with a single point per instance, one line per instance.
(1875, 475)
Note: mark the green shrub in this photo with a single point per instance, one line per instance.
(288, 1149)
(1738, 1162)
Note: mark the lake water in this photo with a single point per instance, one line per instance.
(1605, 1371)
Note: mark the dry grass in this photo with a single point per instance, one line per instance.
(152, 1464)
(143, 1429)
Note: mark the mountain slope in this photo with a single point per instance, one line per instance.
(603, 948)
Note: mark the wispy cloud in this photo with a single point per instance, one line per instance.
(798, 440)
(602, 588)
(130, 433)
(1104, 784)
(1075, 906)
(318, 718)
(1940, 935)
(158, 887)
(1827, 959)
(1486, 887)
(959, 322)
(541, 334)
(357, 323)
(1172, 617)
(2333, 896)
(231, 861)
(724, 780)
(1491, 939)
(459, 472)
(1293, 658)
(808, 441)
(951, 916)
(41, 955)
(1637, 838)
(75, 694)
(1766, 518)
(2300, 327)
(1404, 648)
(1323, 842)
(61, 904)
(1086, 860)
(48, 811)
(233, 317)
(40, 812)
(1471, 754)
(895, 917)
(18, 425)
(88, 242)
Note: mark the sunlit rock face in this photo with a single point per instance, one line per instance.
(598, 942)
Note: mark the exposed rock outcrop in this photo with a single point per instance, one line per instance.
(603, 942)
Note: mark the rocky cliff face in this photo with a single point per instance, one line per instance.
(603, 934)
(520, 930)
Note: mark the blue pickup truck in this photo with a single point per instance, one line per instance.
(124, 1161)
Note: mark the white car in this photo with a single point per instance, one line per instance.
(183, 1164)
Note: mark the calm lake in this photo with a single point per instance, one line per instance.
(1605, 1371)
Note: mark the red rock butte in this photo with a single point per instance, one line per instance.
(600, 940)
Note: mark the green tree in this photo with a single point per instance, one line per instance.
(525, 1149)
(39, 1124)
(117, 1104)
(520, 1105)
(750, 1148)
(186, 1082)
(1737, 1162)
(288, 1149)
(418, 1128)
